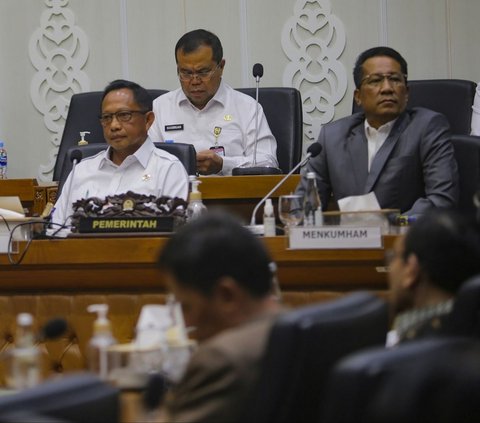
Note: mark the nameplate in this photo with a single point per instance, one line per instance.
(335, 237)
(131, 224)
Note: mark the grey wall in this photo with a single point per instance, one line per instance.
(87, 43)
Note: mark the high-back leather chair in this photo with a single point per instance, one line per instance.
(464, 320)
(302, 348)
(451, 97)
(467, 154)
(284, 113)
(75, 398)
(405, 383)
(184, 152)
(82, 116)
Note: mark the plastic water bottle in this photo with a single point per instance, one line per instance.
(25, 371)
(312, 205)
(268, 218)
(3, 161)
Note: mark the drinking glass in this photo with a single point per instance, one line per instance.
(290, 210)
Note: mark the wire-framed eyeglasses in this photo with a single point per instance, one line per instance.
(121, 116)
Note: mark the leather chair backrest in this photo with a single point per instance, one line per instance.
(185, 152)
(451, 97)
(467, 154)
(284, 113)
(76, 398)
(82, 116)
(464, 319)
(388, 385)
(302, 348)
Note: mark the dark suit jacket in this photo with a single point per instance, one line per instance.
(414, 170)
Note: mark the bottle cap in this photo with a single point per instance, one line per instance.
(310, 175)
(268, 209)
(24, 319)
(1, 144)
(82, 138)
(101, 324)
(195, 194)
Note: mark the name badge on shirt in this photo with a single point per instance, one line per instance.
(219, 150)
(176, 127)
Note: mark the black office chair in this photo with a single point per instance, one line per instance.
(284, 113)
(464, 320)
(303, 346)
(82, 116)
(388, 385)
(185, 152)
(467, 154)
(75, 398)
(452, 97)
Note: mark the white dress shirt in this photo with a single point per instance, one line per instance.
(476, 112)
(376, 138)
(149, 171)
(177, 120)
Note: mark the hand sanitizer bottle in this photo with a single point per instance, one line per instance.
(195, 206)
(102, 339)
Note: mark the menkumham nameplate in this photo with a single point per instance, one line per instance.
(335, 237)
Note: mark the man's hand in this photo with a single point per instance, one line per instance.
(208, 162)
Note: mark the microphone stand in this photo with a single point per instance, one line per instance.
(305, 160)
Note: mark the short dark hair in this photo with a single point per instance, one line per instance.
(216, 245)
(192, 40)
(447, 245)
(141, 96)
(374, 52)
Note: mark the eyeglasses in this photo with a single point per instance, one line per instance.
(186, 75)
(122, 116)
(376, 79)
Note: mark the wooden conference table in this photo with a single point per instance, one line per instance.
(127, 263)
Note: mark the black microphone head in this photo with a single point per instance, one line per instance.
(314, 149)
(54, 328)
(76, 155)
(257, 70)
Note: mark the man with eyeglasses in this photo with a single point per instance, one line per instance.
(206, 112)
(131, 162)
(404, 156)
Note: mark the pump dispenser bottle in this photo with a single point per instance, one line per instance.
(102, 339)
(195, 206)
(83, 141)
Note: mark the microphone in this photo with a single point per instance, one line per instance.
(312, 151)
(256, 170)
(53, 329)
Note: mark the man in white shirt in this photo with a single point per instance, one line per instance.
(476, 112)
(206, 112)
(131, 162)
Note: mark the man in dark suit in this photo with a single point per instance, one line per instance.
(427, 267)
(222, 276)
(404, 156)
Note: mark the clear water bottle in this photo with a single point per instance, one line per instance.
(312, 205)
(25, 370)
(268, 218)
(3, 161)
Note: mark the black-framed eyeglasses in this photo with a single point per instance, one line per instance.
(121, 116)
(205, 75)
(375, 80)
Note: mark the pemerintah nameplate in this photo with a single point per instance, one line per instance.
(125, 224)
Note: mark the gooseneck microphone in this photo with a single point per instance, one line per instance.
(256, 170)
(312, 151)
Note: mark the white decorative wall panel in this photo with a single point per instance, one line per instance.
(58, 50)
(313, 40)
